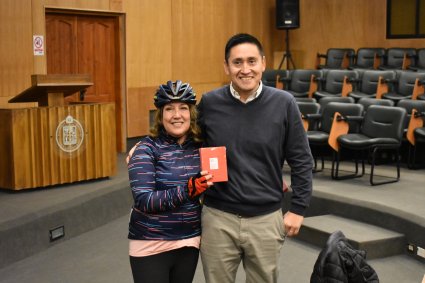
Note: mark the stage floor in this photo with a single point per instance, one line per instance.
(95, 215)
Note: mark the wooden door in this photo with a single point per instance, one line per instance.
(87, 44)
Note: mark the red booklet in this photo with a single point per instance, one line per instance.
(213, 159)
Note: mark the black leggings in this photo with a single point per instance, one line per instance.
(175, 266)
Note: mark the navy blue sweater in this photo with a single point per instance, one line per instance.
(259, 136)
(159, 170)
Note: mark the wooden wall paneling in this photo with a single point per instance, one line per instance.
(194, 34)
(31, 157)
(311, 35)
(32, 139)
(103, 143)
(21, 147)
(201, 88)
(121, 106)
(46, 145)
(38, 28)
(108, 126)
(78, 160)
(6, 105)
(257, 23)
(149, 44)
(198, 34)
(87, 159)
(42, 144)
(89, 151)
(16, 32)
(36, 145)
(332, 23)
(201, 29)
(6, 172)
(375, 24)
(84, 161)
(33, 144)
(323, 23)
(103, 132)
(98, 143)
(140, 103)
(70, 159)
(148, 51)
(63, 158)
(115, 5)
(81, 161)
(74, 159)
(94, 133)
(82, 4)
(266, 27)
(53, 151)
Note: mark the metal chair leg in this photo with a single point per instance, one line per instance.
(372, 169)
(335, 168)
(322, 160)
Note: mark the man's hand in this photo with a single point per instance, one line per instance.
(292, 223)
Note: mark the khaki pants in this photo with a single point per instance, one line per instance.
(227, 239)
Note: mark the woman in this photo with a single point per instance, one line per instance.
(165, 224)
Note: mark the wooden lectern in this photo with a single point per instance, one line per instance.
(51, 90)
(56, 143)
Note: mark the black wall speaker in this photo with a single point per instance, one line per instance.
(287, 14)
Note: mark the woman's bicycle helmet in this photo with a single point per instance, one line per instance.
(174, 92)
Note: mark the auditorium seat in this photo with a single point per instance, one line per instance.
(421, 96)
(318, 138)
(398, 58)
(403, 87)
(368, 84)
(368, 58)
(270, 76)
(419, 134)
(326, 100)
(410, 105)
(332, 83)
(307, 108)
(336, 58)
(381, 129)
(298, 82)
(368, 101)
(419, 65)
(305, 99)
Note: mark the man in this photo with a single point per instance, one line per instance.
(261, 127)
